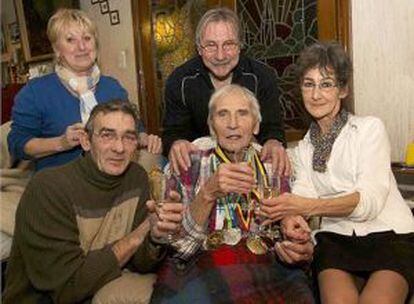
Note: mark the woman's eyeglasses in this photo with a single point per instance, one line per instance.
(324, 86)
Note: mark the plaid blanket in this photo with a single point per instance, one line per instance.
(231, 274)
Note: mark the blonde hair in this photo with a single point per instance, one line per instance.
(231, 89)
(65, 17)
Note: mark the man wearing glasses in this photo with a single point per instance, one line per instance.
(189, 88)
(87, 230)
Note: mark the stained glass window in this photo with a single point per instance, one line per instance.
(275, 31)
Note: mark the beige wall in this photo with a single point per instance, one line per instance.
(117, 51)
(383, 55)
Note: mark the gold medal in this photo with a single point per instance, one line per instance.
(232, 236)
(256, 245)
(214, 240)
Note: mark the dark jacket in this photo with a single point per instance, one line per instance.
(188, 90)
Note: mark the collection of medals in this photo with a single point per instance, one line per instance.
(256, 242)
(238, 211)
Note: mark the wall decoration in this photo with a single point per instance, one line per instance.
(106, 10)
(104, 7)
(114, 16)
(33, 17)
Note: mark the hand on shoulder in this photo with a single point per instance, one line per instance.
(179, 155)
(274, 151)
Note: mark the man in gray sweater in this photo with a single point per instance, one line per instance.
(88, 231)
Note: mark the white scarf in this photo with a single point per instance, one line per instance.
(82, 87)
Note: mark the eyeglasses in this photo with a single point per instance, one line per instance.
(324, 86)
(110, 137)
(227, 46)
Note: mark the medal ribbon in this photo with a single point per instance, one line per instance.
(252, 157)
(260, 167)
(224, 201)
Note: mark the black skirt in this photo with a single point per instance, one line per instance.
(366, 254)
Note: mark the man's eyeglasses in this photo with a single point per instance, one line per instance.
(324, 86)
(110, 137)
(227, 46)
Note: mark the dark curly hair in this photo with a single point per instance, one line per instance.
(328, 57)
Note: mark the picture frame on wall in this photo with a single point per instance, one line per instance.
(104, 7)
(114, 17)
(32, 17)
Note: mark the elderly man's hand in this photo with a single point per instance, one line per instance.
(297, 246)
(166, 218)
(274, 150)
(151, 142)
(230, 178)
(179, 155)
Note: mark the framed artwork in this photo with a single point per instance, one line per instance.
(114, 16)
(32, 16)
(104, 7)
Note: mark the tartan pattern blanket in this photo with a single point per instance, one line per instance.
(231, 274)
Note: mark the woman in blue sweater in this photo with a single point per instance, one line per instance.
(49, 112)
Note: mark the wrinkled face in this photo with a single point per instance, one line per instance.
(321, 94)
(76, 49)
(113, 142)
(219, 49)
(233, 122)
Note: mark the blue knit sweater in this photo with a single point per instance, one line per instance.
(44, 108)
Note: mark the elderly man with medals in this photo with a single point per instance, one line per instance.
(227, 250)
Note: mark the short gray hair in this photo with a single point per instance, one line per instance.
(227, 90)
(216, 15)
